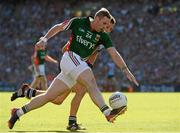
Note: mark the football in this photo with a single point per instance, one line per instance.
(117, 100)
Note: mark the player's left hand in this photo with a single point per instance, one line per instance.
(131, 77)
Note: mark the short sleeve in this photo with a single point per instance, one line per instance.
(106, 41)
(71, 24)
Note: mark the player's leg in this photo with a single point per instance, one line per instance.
(20, 92)
(59, 100)
(87, 79)
(79, 71)
(32, 90)
(43, 82)
(80, 91)
(84, 75)
(36, 82)
(75, 103)
(56, 88)
(26, 91)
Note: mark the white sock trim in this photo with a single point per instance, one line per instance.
(107, 112)
(20, 112)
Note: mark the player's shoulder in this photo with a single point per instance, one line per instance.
(105, 39)
(79, 19)
(104, 35)
(74, 22)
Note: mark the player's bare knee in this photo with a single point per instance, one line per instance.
(57, 102)
(83, 92)
(80, 90)
(80, 94)
(90, 84)
(87, 79)
(49, 97)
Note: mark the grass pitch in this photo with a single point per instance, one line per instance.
(147, 112)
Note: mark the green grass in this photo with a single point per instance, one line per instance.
(147, 112)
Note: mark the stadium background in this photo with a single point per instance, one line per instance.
(147, 34)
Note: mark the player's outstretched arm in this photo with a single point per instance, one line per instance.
(50, 59)
(52, 32)
(116, 57)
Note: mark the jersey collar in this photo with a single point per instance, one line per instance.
(90, 19)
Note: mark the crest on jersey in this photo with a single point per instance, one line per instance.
(82, 30)
(97, 37)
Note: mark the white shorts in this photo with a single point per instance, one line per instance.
(71, 67)
(41, 70)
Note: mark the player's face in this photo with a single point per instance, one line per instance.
(109, 27)
(102, 24)
(42, 47)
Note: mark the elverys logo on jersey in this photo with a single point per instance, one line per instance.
(85, 42)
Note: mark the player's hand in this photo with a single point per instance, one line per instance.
(131, 77)
(41, 43)
(100, 48)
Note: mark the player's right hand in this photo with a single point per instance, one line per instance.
(41, 43)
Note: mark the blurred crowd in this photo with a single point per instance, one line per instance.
(147, 35)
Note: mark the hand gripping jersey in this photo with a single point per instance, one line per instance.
(83, 40)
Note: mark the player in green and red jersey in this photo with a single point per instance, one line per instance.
(78, 88)
(86, 35)
(38, 60)
(38, 69)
